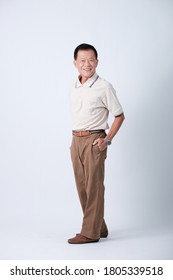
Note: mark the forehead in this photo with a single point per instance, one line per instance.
(86, 54)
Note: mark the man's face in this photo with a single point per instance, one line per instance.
(86, 63)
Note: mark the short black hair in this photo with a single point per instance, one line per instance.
(84, 46)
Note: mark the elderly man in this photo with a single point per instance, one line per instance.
(92, 98)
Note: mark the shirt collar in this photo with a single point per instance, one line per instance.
(88, 83)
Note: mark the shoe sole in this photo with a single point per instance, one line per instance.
(93, 241)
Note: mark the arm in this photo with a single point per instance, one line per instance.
(112, 132)
(115, 126)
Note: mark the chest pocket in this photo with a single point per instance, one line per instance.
(92, 106)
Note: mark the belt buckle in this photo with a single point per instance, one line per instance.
(82, 133)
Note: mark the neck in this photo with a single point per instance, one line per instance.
(83, 79)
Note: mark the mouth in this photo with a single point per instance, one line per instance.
(87, 70)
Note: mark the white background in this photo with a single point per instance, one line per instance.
(39, 207)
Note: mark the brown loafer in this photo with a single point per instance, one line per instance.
(80, 239)
(104, 234)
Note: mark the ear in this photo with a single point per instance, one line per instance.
(74, 62)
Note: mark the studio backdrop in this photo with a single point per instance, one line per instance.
(134, 42)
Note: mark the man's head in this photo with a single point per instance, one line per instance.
(84, 47)
(85, 60)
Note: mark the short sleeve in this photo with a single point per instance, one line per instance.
(111, 101)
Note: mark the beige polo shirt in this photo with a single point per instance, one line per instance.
(91, 103)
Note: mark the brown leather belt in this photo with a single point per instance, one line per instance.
(84, 133)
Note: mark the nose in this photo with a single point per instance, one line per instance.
(87, 62)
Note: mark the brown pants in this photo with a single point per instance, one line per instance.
(88, 164)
